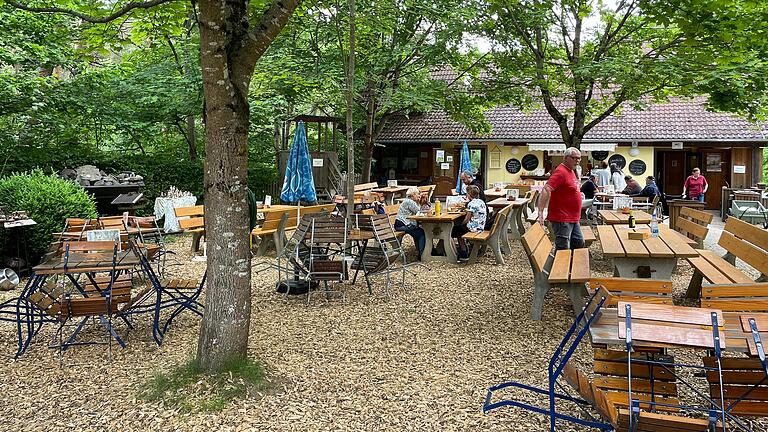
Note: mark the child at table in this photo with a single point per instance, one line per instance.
(474, 221)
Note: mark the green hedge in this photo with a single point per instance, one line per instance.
(46, 199)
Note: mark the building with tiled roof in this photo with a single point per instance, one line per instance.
(666, 140)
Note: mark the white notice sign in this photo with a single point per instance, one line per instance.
(439, 155)
(445, 166)
(317, 162)
(739, 169)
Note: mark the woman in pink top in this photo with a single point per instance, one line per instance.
(695, 186)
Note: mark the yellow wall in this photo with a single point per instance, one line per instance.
(500, 174)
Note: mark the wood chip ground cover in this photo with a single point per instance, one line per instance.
(420, 361)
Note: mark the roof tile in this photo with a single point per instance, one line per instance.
(676, 120)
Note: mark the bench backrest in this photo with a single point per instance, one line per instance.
(632, 290)
(537, 245)
(742, 378)
(746, 242)
(89, 251)
(273, 219)
(194, 217)
(366, 186)
(611, 375)
(694, 223)
(751, 297)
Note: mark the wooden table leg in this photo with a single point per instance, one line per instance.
(506, 248)
(513, 222)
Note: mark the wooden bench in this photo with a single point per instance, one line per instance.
(566, 268)
(743, 378)
(694, 223)
(608, 395)
(740, 240)
(366, 186)
(490, 237)
(632, 290)
(277, 223)
(192, 220)
(272, 228)
(747, 297)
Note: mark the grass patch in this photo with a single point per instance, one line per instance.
(188, 389)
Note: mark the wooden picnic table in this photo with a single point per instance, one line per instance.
(514, 223)
(606, 330)
(613, 217)
(53, 265)
(439, 228)
(658, 254)
(493, 194)
(276, 207)
(389, 192)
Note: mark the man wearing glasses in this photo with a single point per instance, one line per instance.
(563, 197)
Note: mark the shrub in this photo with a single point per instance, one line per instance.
(46, 199)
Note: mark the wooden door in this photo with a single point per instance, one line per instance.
(716, 168)
(442, 158)
(673, 173)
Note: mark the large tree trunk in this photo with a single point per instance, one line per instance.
(228, 56)
(225, 326)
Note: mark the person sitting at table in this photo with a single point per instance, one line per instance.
(633, 187)
(474, 221)
(589, 187)
(469, 179)
(410, 207)
(650, 190)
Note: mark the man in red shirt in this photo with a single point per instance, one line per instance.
(695, 186)
(562, 195)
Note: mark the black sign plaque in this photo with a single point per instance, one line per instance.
(618, 160)
(637, 167)
(513, 166)
(530, 162)
(599, 155)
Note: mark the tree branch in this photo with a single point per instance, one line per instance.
(88, 18)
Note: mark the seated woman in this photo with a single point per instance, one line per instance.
(410, 207)
(474, 221)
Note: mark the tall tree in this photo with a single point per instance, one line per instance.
(583, 59)
(736, 32)
(233, 36)
(399, 43)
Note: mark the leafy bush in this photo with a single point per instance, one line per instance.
(46, 199)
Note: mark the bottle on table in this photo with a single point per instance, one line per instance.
(631, 219)
(437, 207)
(654, 226)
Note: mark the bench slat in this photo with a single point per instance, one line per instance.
(560, 267)
(729, 270)
(580, 265)
(747, 252)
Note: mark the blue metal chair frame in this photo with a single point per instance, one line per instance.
(164, 298)
(716, 411)
(589, 313)
(29, 318)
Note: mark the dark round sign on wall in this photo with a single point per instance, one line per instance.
(530, 162)
(637, 167)
(513, 166)
(599, 155)
(618, 160)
